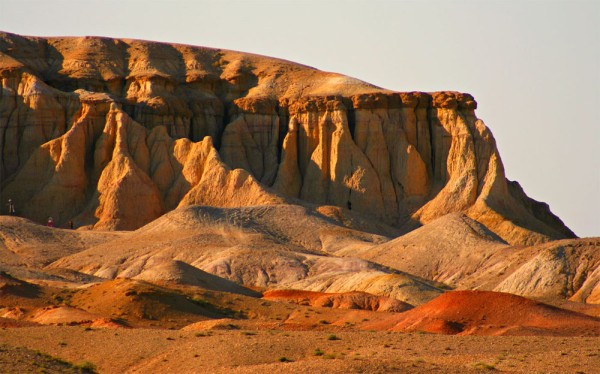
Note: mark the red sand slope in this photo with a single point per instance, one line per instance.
(490, 313)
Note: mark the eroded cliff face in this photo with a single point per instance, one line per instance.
(114, 133)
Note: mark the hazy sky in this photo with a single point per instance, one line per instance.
(533, 66)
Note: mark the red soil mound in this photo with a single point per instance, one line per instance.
(108, 323)
(54, 315)
(137, 301)
(9, 322)
(346, 300)
(491, 313)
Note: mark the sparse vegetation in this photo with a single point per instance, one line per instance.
(483, 366)
(284, 359)
(333, 337)
(85, 367)
(370, 350)
(45, 363)
(198, 300)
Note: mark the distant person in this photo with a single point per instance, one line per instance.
(349, 205)
(71, 224)
(50, 222)
(11, 208)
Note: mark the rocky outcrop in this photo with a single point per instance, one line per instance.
(113, 173)
(349, 300)
(114, 133)
(565, 268)
(464, 254)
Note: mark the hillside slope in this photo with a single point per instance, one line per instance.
(267, 247)
(464, 254)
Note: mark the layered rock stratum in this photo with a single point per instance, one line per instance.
(113, 133)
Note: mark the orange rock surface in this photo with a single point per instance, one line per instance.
(114, 133)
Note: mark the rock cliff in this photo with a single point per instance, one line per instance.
(114, 133)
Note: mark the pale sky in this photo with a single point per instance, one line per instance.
(533, 66)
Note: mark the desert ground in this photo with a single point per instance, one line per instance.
(241, 350)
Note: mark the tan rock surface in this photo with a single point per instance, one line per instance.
(277, 247)
(567, 268)
(464, 254)
(114, 133)
(350, 300)
(24, 243)
(181, 273)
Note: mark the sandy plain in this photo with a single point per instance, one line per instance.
(273, 350)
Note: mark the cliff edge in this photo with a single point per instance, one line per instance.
(114, 133)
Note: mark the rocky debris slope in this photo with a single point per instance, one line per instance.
(27, 244)
(248, 246)
(114, 133)
(447, 249)
(179, 272)
(566, 268)
(462, 253)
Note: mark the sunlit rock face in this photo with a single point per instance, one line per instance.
(114, 133)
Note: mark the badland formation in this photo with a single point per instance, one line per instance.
(240, 198)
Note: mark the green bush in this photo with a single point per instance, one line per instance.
(483, 366)
(85, 367)
(200, 301)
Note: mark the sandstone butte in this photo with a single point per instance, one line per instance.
(113, 133)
